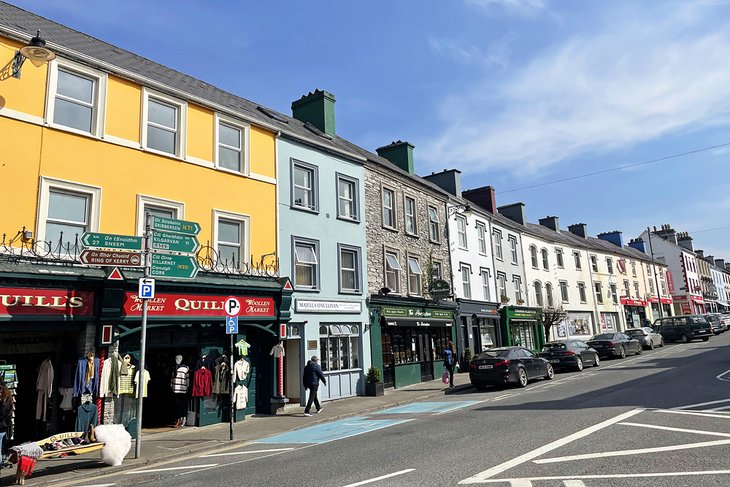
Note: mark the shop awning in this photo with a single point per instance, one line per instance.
(425, 322)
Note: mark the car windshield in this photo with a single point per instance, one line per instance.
(634, 332)
(698, 319)
(603, 336)
(550, 347)
(495, 353)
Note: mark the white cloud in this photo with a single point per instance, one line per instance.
(626, 83)
(524, 7)
(496, 54)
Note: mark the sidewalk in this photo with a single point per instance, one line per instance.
(160, 447)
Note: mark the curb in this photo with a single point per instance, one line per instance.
(209, 446)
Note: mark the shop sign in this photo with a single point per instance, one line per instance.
(697, 299)
(51, 303)
(523, 313)
(196, 305)
(315, 306)
(398, 312)
(633, 302)
(654, 299)
(439, 289)
(670, 281)
(420, 323)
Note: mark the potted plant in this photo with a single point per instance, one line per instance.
(373, 386)
(504, 299)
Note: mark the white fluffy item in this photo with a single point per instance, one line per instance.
(117, 441)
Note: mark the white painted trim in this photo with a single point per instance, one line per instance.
(700, 404)
(262, 178)
(245, 129)
(21, 116)
(691, 413)
(182, 122)
(143, 200)
(245, 221)
(46, 184)
(113, 139)
(199, 162)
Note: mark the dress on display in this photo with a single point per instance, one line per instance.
(44, 387)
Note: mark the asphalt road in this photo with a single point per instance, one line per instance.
(658, 419)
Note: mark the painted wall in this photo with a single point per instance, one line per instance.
(473, 257)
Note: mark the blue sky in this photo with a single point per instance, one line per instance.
(511, 92)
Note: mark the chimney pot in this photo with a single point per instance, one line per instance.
(317, 108)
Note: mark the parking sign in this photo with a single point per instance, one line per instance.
(232, 306)
(146, 288)
(231, 325)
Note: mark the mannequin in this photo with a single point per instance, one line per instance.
(179, 384)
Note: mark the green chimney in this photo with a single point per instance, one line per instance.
(317, 108)
(399, 153)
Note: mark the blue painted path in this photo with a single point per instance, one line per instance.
(323, 433)
(427, 407)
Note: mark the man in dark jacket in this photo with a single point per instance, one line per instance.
(312, 375)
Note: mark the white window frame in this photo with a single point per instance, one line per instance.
(406, 216)
(486, 276)
(517, 282)
(398, 271)
(533, 257)
(594, 263)
(582, 295)
(545, 257)
(609, 265)
(48, 184)
(513, 249)
(482, 237)
(100, 88)
(436, 264)
(358, 273)
(393, 208)
(355, 216)
(502, 285)
(245, 230)
(637, 290)
(419, 289)
(314, 171)
(539, 299)
(144, 201)
(633, 268)
(598, 291)
(497, 242)
(614, 293)
(549, 298)
(564, 292)
(465, 272)
(182, 118)
(316, 274)
(462, 240)
(245, 143)
(432, 223)
(577, 260)
(560, 258)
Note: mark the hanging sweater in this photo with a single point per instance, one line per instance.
(87, 414)
(180, 380)
(81, 386)
(222, 379)
(202, 383)
(109, 383)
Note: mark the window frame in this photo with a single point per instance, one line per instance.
(598, 292)
(314, 171)
(502, 278)
(431, 224)
(357, 251)
(549, 298)
(582, 295)
(486, 276)
(517, 282)
(98, 117)
(245, 144)
(609, 265)
(144, 201)
(437, 264)
(414, 216)
(417, 259)
(393, 208)
(564, 291)
(395, 253)
(48, 184)
(461, 220)
(356, 197)
(465, 271)
(182, 117)
(316, 275)
(577, 260)
(245, 221)
(560, 258)
(513, 249)
(539, 299)
(614, 293)
(545, 256)
(481, 229)
(498, 251)
(533, 257)
(594, 262)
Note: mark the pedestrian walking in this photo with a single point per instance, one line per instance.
(449, 356)
(312, 375)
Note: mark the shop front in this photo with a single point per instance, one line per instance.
(480, 325)
(188, 350)
(609, 322)
(521, 326)
(408, 341)
(579, 325)
(334, 331)
(634, 312)
(666, 307)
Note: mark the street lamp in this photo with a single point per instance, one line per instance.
(461, 209)
(36, 51)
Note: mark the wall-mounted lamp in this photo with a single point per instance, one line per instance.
(462, 209)
(36, 51)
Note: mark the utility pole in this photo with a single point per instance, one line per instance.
(656, 277)
(143, 341)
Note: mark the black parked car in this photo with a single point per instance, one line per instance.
(684, 328)
(571, 354)
(508, 365)
(615, 344)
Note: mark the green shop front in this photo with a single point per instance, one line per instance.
(188, 320)
(407, 340)
(521, 326)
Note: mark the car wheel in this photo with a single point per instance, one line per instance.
(661, 343)
(622, 352)
(578, 364)
(704, 339)
(651, 345)
(597, 362)
(521, 377)
(639, 350)
(684, 338)
(549, 372)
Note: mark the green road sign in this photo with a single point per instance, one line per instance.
(111, 241)
(175, 226)
(174, 242)
(174, 266)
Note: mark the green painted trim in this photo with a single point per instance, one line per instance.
(406, 375)
(376, 342)
(129, 331)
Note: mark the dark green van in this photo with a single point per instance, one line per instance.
(683, 328)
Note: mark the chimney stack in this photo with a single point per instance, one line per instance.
(720, 263)
(615, 237)
(550, 222)
(685, 241)
(317, 108)
(515, 212)
(579, 229)
(483, 197)
(399, 153)
(667, 233)
(636, 243)
(448, 180)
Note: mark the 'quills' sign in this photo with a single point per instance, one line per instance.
(191, 305)
(50, 303)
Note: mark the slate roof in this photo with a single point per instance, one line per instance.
(21, 25)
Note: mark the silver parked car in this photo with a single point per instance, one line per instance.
(647, 336)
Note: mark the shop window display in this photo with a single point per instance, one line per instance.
(339, 346)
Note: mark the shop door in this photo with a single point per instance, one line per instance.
(388, 359)
(425, 356)
(211, 407)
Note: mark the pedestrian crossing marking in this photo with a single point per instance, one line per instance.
(427, 407)
(337, 430)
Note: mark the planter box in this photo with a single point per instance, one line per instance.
(374, 389)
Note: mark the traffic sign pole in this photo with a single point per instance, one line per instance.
(142, 343)
(233, 381)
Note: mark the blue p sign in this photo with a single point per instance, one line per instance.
(231, 325)
(146, 288)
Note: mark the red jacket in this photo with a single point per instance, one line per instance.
(202, 383)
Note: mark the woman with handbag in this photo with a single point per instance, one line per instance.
(449, 356)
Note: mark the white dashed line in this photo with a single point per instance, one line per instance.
(382, 477)
(169, 469)
(678, 430)
(249, 452)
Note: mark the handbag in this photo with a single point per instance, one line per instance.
(445, 376)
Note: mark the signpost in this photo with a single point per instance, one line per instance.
(111, 241)
(174, 242)
(232, 307)
(111, 257)
(174, 266)
(183, 227)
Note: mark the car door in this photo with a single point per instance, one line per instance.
(632, 344)
(537, 366)
(520, 357)
(582, 348)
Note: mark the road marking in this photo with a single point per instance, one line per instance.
(719, 409)
(186, 467)
(610, 476)
(691, 413)
(690, 406)
(335, 430)
(573, 483)
(625, 453)
(427, 407)
(247, 452)
(95, 485)
(679, 430)
(520, 483)
(382, 477)
(482, 476)
(720, 377)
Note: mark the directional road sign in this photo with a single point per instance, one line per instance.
(146, 288)
(174, 242)
(111, 257)
(232, 306)
(111, 241)
(174, 266)
(231, 325)
(176, 226)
